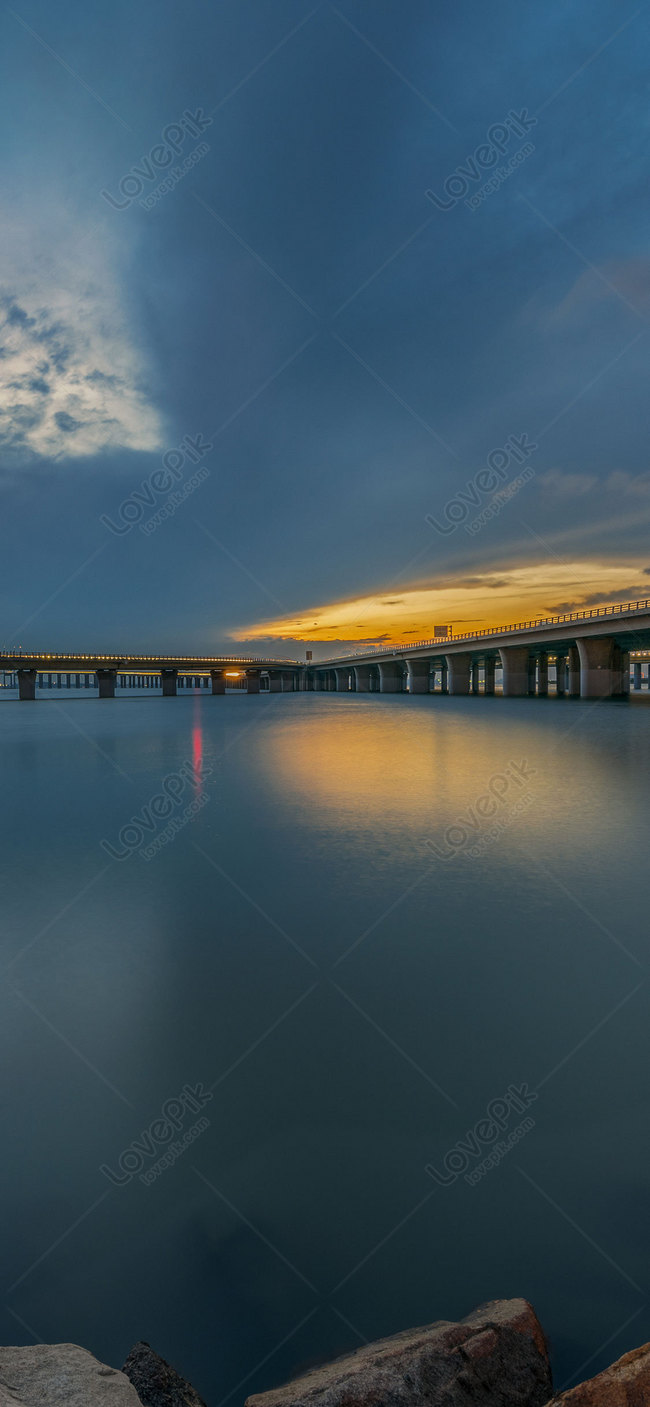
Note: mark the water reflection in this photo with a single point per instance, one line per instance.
(415, 767)
(326, 974)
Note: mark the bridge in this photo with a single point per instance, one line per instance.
(592, 653)
(109, 671)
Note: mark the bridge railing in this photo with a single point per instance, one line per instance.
(126, 660)
(440, 643)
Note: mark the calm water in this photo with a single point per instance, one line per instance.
(372, 926)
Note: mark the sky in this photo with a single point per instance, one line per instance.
(320, 323)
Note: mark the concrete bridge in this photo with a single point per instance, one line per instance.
(590, 654)
(108, 672)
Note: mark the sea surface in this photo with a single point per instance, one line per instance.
(323, 1016)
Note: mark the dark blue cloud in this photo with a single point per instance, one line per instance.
(66, 422)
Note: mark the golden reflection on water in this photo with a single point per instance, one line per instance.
(415, 769)
(385, 760)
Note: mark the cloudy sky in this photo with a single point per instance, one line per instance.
(388, 260)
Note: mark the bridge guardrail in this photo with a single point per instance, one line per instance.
(150, 659)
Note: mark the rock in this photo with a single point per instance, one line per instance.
(497, 1357)
(60, 1375)
(156, 1382)
(625, 1384)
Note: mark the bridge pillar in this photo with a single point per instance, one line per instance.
(253, 681)
(419, 672)
(620, 673)
(26, 683)
(514, 659)
(444, 679)
(560, 675)
(362, 675)
(574, 672)
(598, 676)
(459, 672)
(106, 680)
(169, 680)
(542, 674)
(391, 677)
(475, 677)
(637, 674)
(489, 666)
(275, 681)
(343, 679)
(218, 678)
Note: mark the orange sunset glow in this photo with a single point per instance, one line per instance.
(467, 603)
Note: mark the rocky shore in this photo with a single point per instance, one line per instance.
(496, 1357)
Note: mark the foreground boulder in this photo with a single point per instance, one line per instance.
(51, 1375)
(496, 1357)
(625, 1384)
(156, 1382)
